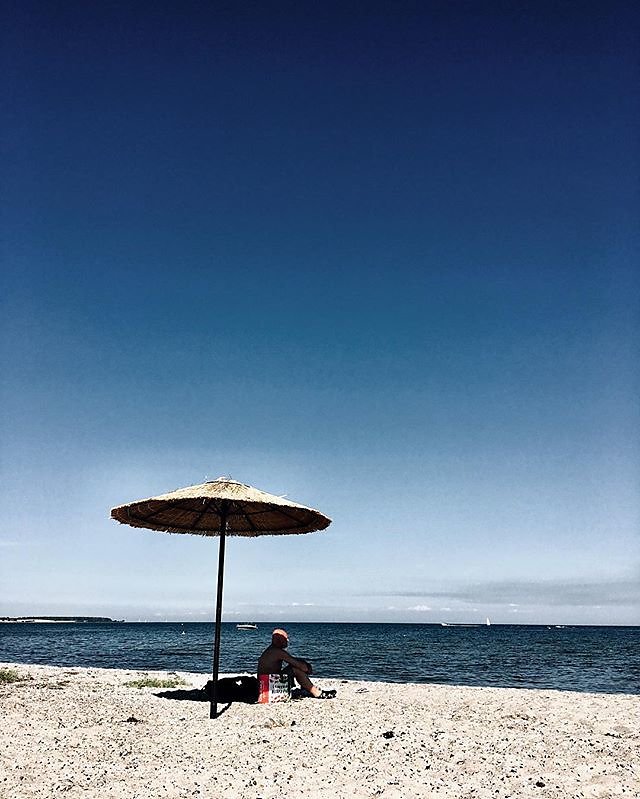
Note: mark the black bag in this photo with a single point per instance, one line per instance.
(235, 689)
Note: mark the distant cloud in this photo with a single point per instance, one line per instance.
(420, 608)
(515, 593)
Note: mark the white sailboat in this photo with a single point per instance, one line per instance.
(488, 622)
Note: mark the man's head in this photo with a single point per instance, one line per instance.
(280, 638)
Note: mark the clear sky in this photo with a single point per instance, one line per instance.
(381, 258)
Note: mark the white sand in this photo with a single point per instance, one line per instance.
(64, 732)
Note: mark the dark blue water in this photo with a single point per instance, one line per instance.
(605, 659)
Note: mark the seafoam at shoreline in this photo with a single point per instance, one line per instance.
(81, 732)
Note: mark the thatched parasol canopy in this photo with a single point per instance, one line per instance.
(220, 507)
(197, 510)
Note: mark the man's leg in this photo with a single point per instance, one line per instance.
(304, 682)
(302, 678)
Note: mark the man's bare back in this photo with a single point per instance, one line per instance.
(271, 660)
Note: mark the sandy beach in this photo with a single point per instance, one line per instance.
(84, 733)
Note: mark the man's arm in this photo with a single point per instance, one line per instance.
(302, 665)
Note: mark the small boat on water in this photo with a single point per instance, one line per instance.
(474, 624)
(246, 626)
(455, 624)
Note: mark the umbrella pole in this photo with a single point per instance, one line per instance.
(213, 710)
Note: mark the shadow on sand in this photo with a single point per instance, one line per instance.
(195, 695)
(243, 689)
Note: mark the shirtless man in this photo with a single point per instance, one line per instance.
(271, 663)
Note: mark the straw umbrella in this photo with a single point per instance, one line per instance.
(220, 507)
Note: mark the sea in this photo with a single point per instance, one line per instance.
(585, 659)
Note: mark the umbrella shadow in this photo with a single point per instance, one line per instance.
(195, 695)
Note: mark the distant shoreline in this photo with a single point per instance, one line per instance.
(105, 620)
(59, 620)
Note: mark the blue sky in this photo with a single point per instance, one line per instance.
(380, 259)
